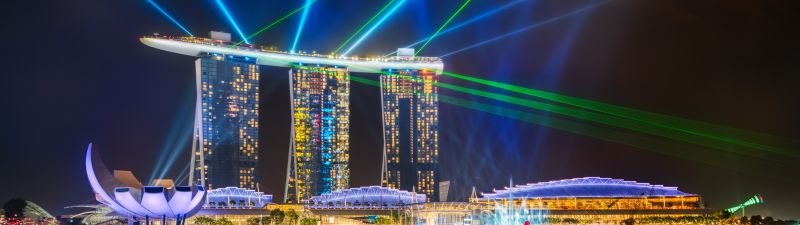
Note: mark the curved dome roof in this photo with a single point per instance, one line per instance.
(586, 187)
(243, 198)
(370, 196)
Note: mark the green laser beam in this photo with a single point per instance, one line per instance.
(363, 26)
(276, 22)
(645, 142)
(705, 129)
(679, 135)
(649, 143)
(591, 116)
(442, 27)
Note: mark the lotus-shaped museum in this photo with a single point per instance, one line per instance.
(128, 197)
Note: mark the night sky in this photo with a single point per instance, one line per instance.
(74, 72)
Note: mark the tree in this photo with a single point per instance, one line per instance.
(262, 220)
(277, 216)
(756, 220)
(292, 215)
(15, 208)
(309, 221)
(383, 220)
(769, 220)
(223, 221)
(722, 214)
(203, 220)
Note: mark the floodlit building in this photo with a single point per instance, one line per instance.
(370, 197)
(597, 200)
(236, 198)
(225, 148)
(411, 131)
(142, 204)
(225, 144)
(320, 151)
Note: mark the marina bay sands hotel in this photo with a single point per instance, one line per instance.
(225, 144)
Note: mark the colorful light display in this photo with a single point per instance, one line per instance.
(363, 26)
(756, 199)
(374, 26)
(523, 29)
(231, 20)
(172, 19)
(265, 28)
(442, 27)
(726, 136)
(319, 155)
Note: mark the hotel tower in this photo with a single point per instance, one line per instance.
(320, 147)
(225, 143)
(410, 131)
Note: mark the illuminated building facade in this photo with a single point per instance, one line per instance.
(225, 145)
(370, 197)
(410, 131)
(319, 154)
(236, 198)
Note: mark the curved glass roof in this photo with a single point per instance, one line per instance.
(370, 196)
(235, 197)
(585, 187)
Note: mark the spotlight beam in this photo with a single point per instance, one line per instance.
(680, 149)
(675, 134)
(471, 20)
(645, 142)
(708, 130)
(524, 29)
(363, 26)
(443, 26)
(276, 22)
(300, 26)
(174, 21)
(620, 122)
(374, 26)
(228, 15)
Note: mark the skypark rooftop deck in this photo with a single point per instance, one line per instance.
(194, 46)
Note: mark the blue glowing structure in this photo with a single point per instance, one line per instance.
(532, 26)
(236, 198)
(142, 203)
(301, 25)
(228, 15)
(374, 26)
(585, 187)
(164, 12)
(371, 197)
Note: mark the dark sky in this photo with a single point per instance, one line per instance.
(74, 72)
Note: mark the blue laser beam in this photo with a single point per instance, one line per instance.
(300, 26)
(467, 22)
(179, 133)
(518, 31)
(231, 20)
(374, 26)
(164, 12)
(178, 149)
